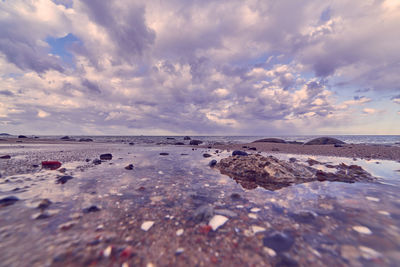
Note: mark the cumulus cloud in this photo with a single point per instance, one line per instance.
(209, 67)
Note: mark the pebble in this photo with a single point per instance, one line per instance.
(147, 225)
(278, 241)
(252, 215)
(212, 163)
(5, 157)
(107, 156)
(369, 253)
(129, 167)
(164, 154)
(7, 201)
(383, 212)
(362, 230)
(257, 229)
(67, 225)
(179, 251)
(270, 251)
(217, 221)
(225, 212)
(179, 232)
(255, 210)
(63, 179)
(107, 252)
(92, 208)
(373, 199)
(206, 155)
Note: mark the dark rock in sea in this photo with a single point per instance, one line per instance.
(273, 174)
(206, 155)
(245, 147)
(5, 134)
(275, 149)
(129, 167)
(22, 136)
(184, 154)
(179, 144)
(96, 161)
(270, 140)
(65, 138)
(324, 141)
(212, 163)
(107, 156)
(170, 138)
(294, 142)
(292, 160)
(239, 153)
(304, 216)
(90, 209)
(235, 196)
(312, 162)
(35, 166)
(253, 148)
(52, 165)
(164, 154)
(63, 179)
(338, 145)
(44, 204)
(7, 201)
(5, 157)
(195, 142)
(131, 143)
(278, 241)
(186, 138)
(85, 140)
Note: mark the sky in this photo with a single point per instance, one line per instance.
(199, 67)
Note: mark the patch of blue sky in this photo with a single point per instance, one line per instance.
(59, 47)
(66, 3)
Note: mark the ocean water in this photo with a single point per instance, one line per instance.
(351, 139)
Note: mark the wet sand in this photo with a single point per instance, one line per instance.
(99, 217)
(360, 151)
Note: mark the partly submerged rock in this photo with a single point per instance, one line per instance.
(85, 140)
(65, 138)
(52, 165)
(324, 141)
(239, 153)
(22, 136)
(7, 201)
(63, 179)
(272, 173)
(212, 163)
(5, 157)
(270, 140)
(107, 156)
(195, 142)
(186, 138)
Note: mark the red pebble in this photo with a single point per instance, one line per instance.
(127, 252)
(52, 165)
(214, 259)
(205, 229)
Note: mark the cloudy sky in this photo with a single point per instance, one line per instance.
(222, 67)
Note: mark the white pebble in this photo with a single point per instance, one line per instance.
(369, 253)
(257, 229)
(125, 264)
(252, 215)
(217, 221)
(362, 230)
(146, 225)
(270, 251)
(179, 232)
(383, 212)
(240, 206)
(107, 252)
(373, 199)
(179, 250)
(160, 172)
(255, 210)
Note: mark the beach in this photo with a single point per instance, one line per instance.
(171, 208)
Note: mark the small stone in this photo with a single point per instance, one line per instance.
(225, 212)
(255, 210)
(383, 212)
(270, 251)
(66, 226)
(179, 232)
(369, 253)
(195, 142)
(164, 154)
(257, 229)
(278, 241)
(44, 204)
(90, 209)
(275, 149)
(239, 153)
(106, 156)
(96, 161)
(362, 230)
(147, 225)
(63, 179)
(374, 199)
(5, 157)
(52, 165)
(206, 155)
(217, 221)
(107, 252)
(41, 216)
(179, 251)
(129, 167)
(212, 163)
(235, 196)
(7, 201)
(186, 138)
(252, 215)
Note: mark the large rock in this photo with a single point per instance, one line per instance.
(186, 138)
(65, 138)
(324, 141)
(22, 136)
(85, 140)
(270, 140)
(195, 142)
(272, 173)
(107, 156)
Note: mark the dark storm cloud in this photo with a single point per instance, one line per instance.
(92, 86)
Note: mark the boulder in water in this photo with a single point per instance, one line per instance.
(324, 141)
(195, 142)
(270, 140)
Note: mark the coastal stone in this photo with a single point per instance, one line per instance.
(253, 148)
(206, 155)
(212, 163)
(5, 134)
(203, 213)
(107, 252)
(272, 173)
(106, 156)
(324, 141)
(255, 210)
(22, 136)
(44, 204)
(91, 209)
(338, 145)
(64, 179)
(225, 212)
(129, 167)
(170, 138)
(275, 149)
(52, 165)
(146, 225)
(270, 140)
(96, 161)
(65, 138)
(5, 157)
(131, 143)
(304, 216)
(7, 201)
(85, 140)
(67, 225)
(217, 221)
(195, 142)
(164, 154)
(235, 196)
(41, 216)
(253, 216)
(278, 241)
(369, 253)
(179, 251)
(257, 229)
(179, 232)
(239, 153)
(362, 229)
(179, 144)
(292, 160)
(186, 138)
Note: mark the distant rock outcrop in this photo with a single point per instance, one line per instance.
(325, 141)
(270, 140)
